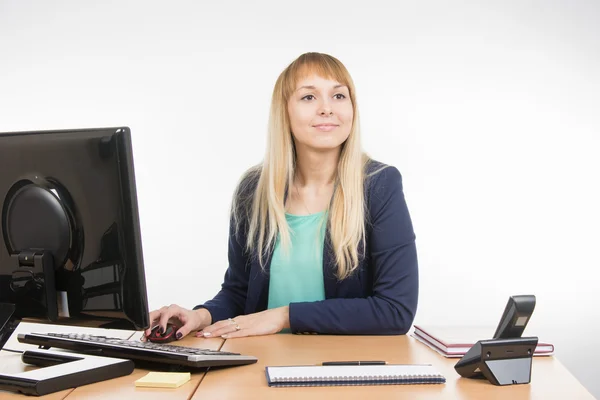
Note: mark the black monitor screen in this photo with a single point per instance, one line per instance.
(69, 206)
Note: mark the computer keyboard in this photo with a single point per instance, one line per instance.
(136, 350)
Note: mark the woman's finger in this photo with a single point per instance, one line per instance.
(221, 327)
(237, 334)
(167, 315)
(154, 317)
(225, 330)
(208, 330)
(186, 327)
(218, 332)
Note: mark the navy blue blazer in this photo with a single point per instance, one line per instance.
(379, 298)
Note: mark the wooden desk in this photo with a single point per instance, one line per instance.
(550, 380)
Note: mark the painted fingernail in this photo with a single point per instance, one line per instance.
(179, 335)
(206, 334)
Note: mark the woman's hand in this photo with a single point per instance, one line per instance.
(261, 323)
(186, 320)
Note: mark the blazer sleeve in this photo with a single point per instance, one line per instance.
(392, 304)
(231, 299)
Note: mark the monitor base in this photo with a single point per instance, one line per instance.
(120, 324)
(63, 370)
(8, 322)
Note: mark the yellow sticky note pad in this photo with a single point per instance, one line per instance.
(163, 379)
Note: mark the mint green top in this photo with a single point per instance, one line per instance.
(298, 277)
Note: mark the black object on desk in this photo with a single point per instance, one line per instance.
(8, 322)
(136, 350)
(506, 359)
(500, 361)
(70, 242)
(70, 245)
(63, 371)
(337, 363)
(515, 317)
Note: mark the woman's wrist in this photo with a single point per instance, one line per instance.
(286, 316)
(204, 318)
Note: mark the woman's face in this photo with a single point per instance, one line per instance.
(321, 113)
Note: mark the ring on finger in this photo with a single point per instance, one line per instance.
(235, 324)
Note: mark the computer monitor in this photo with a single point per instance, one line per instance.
(70, 243)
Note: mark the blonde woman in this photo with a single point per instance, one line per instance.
(321, 239)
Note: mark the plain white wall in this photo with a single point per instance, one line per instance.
(489, 110)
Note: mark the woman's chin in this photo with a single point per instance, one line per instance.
(324, 143)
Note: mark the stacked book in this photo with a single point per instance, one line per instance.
(456, 341)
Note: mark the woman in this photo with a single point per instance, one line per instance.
(321, 239)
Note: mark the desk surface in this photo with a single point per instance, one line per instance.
(550, 379)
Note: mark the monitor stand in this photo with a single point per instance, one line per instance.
(32, 283)
(60, 369)
(63, 370)
(120, 324)
(8, 322)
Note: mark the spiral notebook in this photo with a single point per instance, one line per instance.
(318, 375)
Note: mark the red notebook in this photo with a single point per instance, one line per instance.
(455, 341)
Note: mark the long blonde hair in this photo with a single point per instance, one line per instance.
(262, 210)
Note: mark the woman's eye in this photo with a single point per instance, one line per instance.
(339, 96)
(308, 97)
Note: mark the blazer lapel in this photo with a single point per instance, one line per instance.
(260, 279)
(329, 278)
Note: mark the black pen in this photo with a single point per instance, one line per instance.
(354, 363)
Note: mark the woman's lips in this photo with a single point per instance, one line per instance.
(325, 127)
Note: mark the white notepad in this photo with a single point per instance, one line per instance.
(318, 375)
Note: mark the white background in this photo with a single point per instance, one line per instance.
(490, 110)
